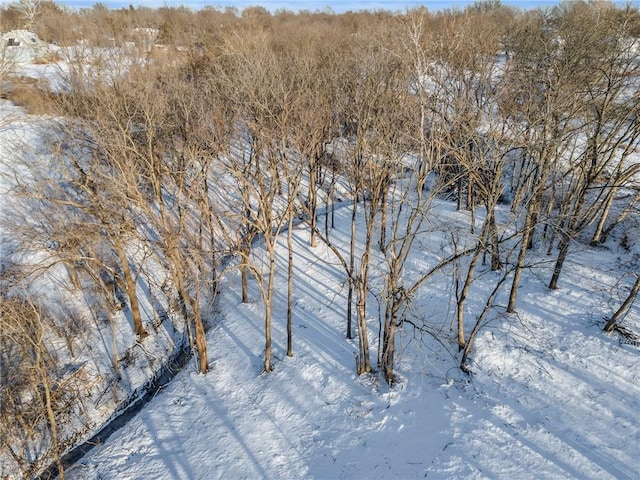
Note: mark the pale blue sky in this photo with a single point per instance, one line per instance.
(337, 6)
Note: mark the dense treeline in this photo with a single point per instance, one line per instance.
(182, 136)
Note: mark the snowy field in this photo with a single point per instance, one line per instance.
(551, 395)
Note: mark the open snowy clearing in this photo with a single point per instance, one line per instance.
(551, 395)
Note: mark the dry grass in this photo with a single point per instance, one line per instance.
(30, 94)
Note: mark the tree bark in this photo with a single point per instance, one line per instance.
(313, 201)
(130, 286)
(268, 367)
(383, 220)
(463, 297)
(496, 264)
(633, 293)
(562, 256)
(187, 299)
(522, 255)
(352, 260)
(290, 287)
(595, 239)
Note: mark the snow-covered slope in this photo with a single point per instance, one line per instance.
(551, 395)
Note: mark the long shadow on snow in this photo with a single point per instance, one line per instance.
(569, 429)
(140, 397)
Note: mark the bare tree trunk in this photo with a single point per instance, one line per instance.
(269, 307)
(383, 220)
(208, 211)
(567, 235)
(387, 360)
(352, 261)
(595, 239)
(73, 275)
(327, 199)
(247, 240)
(362, 284)
(471, 206)
(562, 256)
(290, 286)
(463, 297)
(364, 362)
(522, 255)
(200, 339)
(554, 233)
(633, 293)
(130, 286)
(313, 201)
(244, 280)
(395, 299)
(333, 210)
(496, 264)
(532, 233)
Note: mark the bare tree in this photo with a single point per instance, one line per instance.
(368, 98)
(29, 10)
(604, 72)
(131, 130)
(30, 393)
(262, 170)
(537, 100)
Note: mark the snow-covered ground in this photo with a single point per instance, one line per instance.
(551, 396)
(25, 155)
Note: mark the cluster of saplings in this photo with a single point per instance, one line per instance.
(180, 137)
